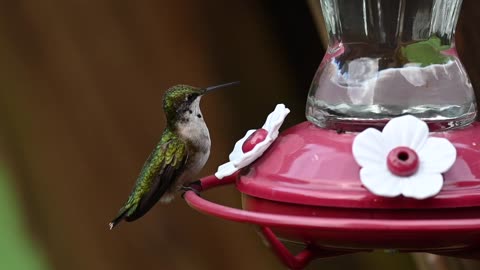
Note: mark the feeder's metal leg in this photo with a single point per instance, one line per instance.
(302, 259)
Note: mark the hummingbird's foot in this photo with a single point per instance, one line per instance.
(194, 186)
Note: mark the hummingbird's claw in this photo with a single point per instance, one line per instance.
(194, 186)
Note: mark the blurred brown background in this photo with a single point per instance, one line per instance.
(81, 84)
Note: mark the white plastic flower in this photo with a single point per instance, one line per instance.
(403, 160)
(254, 143)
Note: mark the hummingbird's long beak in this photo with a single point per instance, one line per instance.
(208, 89)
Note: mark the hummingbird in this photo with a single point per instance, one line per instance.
(181, 153)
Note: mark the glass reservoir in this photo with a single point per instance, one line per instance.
(387, 58)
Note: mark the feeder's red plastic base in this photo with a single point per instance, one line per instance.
(305, 188)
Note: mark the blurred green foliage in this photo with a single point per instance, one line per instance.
(17, 251)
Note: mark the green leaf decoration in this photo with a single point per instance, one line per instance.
(426, 52)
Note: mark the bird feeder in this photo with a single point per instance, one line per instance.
(390, 155)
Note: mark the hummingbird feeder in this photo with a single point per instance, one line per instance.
(390, 155)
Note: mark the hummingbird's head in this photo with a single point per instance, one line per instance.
(181, 101)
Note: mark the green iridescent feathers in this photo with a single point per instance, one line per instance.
(158, 172)
(169, 152)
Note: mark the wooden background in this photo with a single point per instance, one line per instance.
(81, 84)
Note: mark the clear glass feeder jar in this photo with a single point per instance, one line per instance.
(387, 58)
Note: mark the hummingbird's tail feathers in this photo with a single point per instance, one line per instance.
(121, 216)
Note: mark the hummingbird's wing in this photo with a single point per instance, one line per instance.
(164, 176)
(158, 175)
